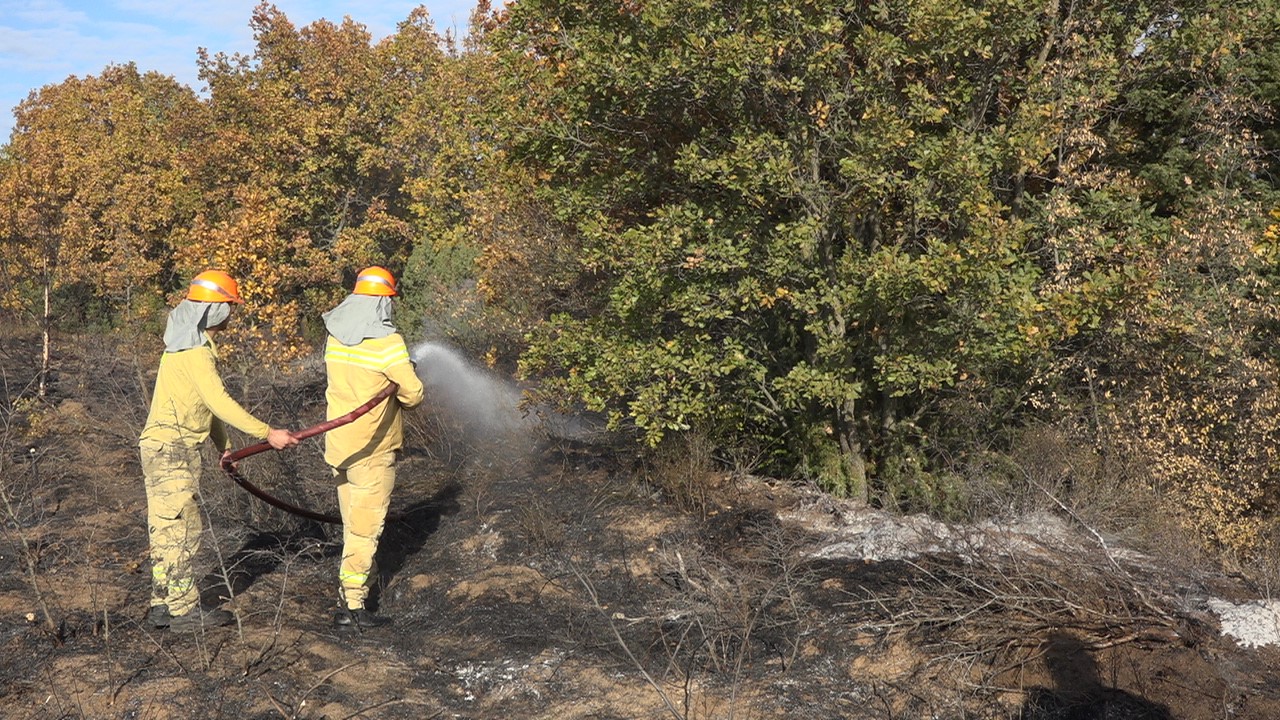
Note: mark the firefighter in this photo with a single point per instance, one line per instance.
(363, 354)
(188, 405)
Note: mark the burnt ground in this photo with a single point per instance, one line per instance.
(533, 576)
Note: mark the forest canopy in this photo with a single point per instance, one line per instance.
(922, 253)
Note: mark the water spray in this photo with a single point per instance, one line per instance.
(490, 404)
(472, 395)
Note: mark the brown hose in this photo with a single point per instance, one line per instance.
(229, 460)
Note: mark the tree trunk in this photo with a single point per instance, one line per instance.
(45, 321)
(854, 464)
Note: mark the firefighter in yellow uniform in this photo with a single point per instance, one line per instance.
(188, 405)
(363, 354)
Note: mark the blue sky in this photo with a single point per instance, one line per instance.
(44, 42)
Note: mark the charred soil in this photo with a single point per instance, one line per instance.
(536, 576)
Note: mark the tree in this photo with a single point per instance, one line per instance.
(93, 194)
(432, 141)
(470, 211)
(1189, 386)
(811, 221)
(298, 191)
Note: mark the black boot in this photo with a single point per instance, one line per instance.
(200, 618)
(358, 619)
(158, 616)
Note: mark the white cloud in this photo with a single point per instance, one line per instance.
(41, 11)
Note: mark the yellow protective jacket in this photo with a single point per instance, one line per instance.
(357, 373)
(190, 403)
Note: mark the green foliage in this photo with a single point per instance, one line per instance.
(820, 214)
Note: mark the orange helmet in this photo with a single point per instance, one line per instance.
(214, 286)
(375, 281)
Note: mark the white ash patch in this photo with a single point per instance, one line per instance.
(501, 679)
(1252, 624)
(847, 531)
(877, 536)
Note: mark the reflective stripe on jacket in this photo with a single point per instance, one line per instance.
(357, 373)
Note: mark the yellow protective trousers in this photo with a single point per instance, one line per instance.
(172, 475)
(364, 494)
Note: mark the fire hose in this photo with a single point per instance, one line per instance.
(230, 459)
